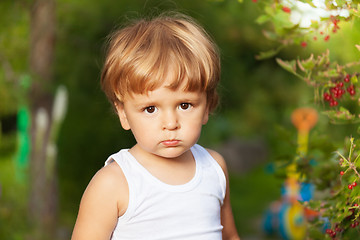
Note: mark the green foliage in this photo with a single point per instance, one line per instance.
(13, 42)
(328, 78)
(13, 201)
(256, 97)
(340, 205)
(337, 198)
(283, 28)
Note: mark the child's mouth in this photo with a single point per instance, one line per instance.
(170, 143)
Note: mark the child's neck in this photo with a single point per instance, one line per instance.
(172, 171)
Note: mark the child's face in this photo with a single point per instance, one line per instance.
(164, 122)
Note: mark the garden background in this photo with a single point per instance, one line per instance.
(252, 126)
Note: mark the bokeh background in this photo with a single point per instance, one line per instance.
(251, 127)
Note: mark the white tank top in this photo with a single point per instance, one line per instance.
(157, 210)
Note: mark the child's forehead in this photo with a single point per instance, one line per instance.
(164, 92)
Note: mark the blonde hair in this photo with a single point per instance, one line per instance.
(141, 56)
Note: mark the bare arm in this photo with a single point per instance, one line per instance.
(227, 218)
(104, 199)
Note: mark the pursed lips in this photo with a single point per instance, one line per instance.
(170, 142)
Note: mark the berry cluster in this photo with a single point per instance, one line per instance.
(352, 216)
(333, 22)
(352, 185)
(331, 232)
(354, 224)
(335, 93)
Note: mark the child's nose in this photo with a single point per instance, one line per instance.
(170, 121)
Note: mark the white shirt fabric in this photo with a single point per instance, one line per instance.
(157, 210)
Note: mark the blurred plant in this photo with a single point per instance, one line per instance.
(334, 85)
(339, 207)
(297, 22)
(336, 89)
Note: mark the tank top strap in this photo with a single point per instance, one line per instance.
(205, 160)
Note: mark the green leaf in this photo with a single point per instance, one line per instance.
(323, 59)
(314, 24)
(340, 116)
(268, 54)
(310, 2)
(270, 35)
(315, 205)
(309, 63)
(355, 192)
(300, 66)
(329, 73)
(269, 10)
(282, 19)
(354, 79)
(287, 65)
(342, 216)
(262, 19)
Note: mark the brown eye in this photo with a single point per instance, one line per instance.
(150, 109)
(184, 106)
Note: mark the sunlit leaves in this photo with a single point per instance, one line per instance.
(336, 91)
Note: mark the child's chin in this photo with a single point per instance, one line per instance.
(172, 152)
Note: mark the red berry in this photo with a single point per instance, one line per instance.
(356, 205)
(333, 103)
(315, 38)
(328, 231)
(338, 229)
(350, 186)
(352, 92)
(327, 96)
(347, 78)
(286, 9)
(340, 84)
(303, 44)
(254, 1)
(354, 224)
(326, 38)
(342, 173)
(354, 184)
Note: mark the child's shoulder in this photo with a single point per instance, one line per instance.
(218, 158)
(110, 177)
(108, 186)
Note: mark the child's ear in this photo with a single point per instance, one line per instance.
(206, 116)
(122, 115)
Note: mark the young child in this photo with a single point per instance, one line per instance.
(161, 76)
